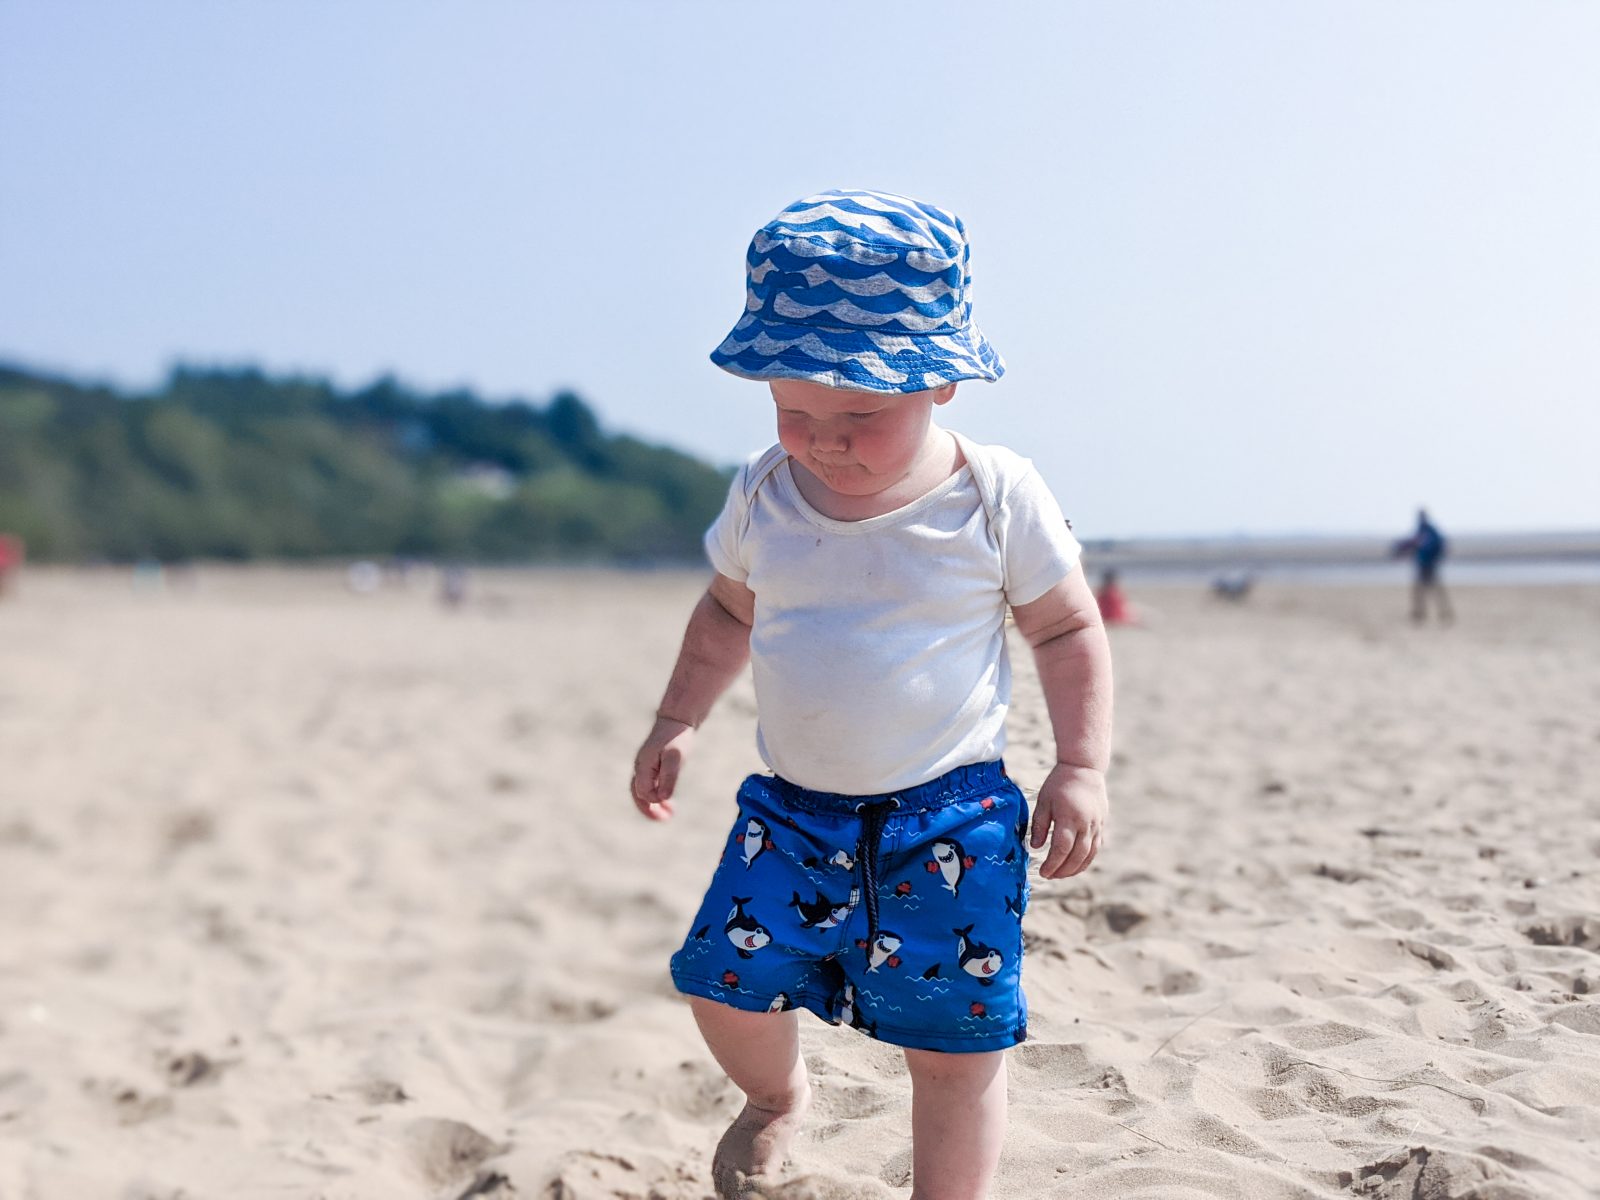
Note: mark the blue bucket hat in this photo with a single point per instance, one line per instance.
(865, 291)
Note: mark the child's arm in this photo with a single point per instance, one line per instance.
(1069, 645)
(715, 647)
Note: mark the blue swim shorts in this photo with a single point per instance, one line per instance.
(899, 914)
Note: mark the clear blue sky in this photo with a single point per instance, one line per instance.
(1257, 267)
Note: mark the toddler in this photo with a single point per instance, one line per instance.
(864, 567)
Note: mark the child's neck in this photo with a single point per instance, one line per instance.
(939, 459)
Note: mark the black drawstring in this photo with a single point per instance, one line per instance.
(872, 818)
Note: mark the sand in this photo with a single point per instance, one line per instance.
(313, 894)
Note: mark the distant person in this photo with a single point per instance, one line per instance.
(453, 586)
(1233, 588)
(363, 577)
(149, 575)
(1113, 602)
(864, 566)
(12, 554)
(1427, 548)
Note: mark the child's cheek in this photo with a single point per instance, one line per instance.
(792, 434)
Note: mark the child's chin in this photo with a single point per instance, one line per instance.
(849, 481)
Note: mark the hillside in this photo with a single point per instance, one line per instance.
(236, 464)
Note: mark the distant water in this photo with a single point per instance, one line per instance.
(1521, 573)
(1474, 559)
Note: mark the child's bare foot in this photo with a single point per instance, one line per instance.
(757, 1143)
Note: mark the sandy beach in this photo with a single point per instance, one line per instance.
(316, 894)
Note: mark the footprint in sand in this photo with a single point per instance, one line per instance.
(488, 1185)
(1439, 960)
(1180, 982)
(1118, 918)
(189, 1068)
(1204, 1129)
(1418, 1171)
(851, 1101)
(448, 1153)
(1052, 1063)
(583, 1173)
(695, 1090)
(128, 1104)
(821, 1187)
(1581, 932)
(1321, 1035)
(1343, 874)
(191, 828)
(379, 1091)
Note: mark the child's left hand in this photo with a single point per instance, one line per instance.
(1073, 801)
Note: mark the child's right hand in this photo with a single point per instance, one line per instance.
(656, 767)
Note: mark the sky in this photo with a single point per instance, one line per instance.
(1254, 267)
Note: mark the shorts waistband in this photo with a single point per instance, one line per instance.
(936, 793)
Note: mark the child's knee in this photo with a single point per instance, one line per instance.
(966, 1072)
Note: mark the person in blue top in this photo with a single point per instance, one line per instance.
(1426, 547)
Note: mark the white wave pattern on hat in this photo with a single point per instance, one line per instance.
(877, 285)
(813, 346)
(817, 248)
(872, 285)
(861, 290)
(850, 314)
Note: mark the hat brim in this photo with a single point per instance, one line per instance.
(857, 360)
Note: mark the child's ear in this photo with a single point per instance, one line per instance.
(944, 394)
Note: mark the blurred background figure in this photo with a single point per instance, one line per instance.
(363, 577)
(149, 575)
(1113, 601)
(1427, 549)
(12, 552)
(1235, 588)
(453, 586)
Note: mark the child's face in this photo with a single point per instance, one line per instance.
(855, 443)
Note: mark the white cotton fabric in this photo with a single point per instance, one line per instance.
(878, 647)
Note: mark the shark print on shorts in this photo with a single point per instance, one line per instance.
(931, 959)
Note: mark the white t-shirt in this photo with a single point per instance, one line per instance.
(878, 647)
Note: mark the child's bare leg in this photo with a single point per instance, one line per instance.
(761, 1054)
(958, 1121)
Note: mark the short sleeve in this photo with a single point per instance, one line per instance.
(1039, 548)
(724, 541)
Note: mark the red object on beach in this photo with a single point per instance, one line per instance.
(1114, 607)
(12, 554)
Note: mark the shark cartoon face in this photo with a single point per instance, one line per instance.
(820, 913)
(951, 862)
(755, 839)
(882, 950)
(982, 962)
(744, 931)
(841, 858)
